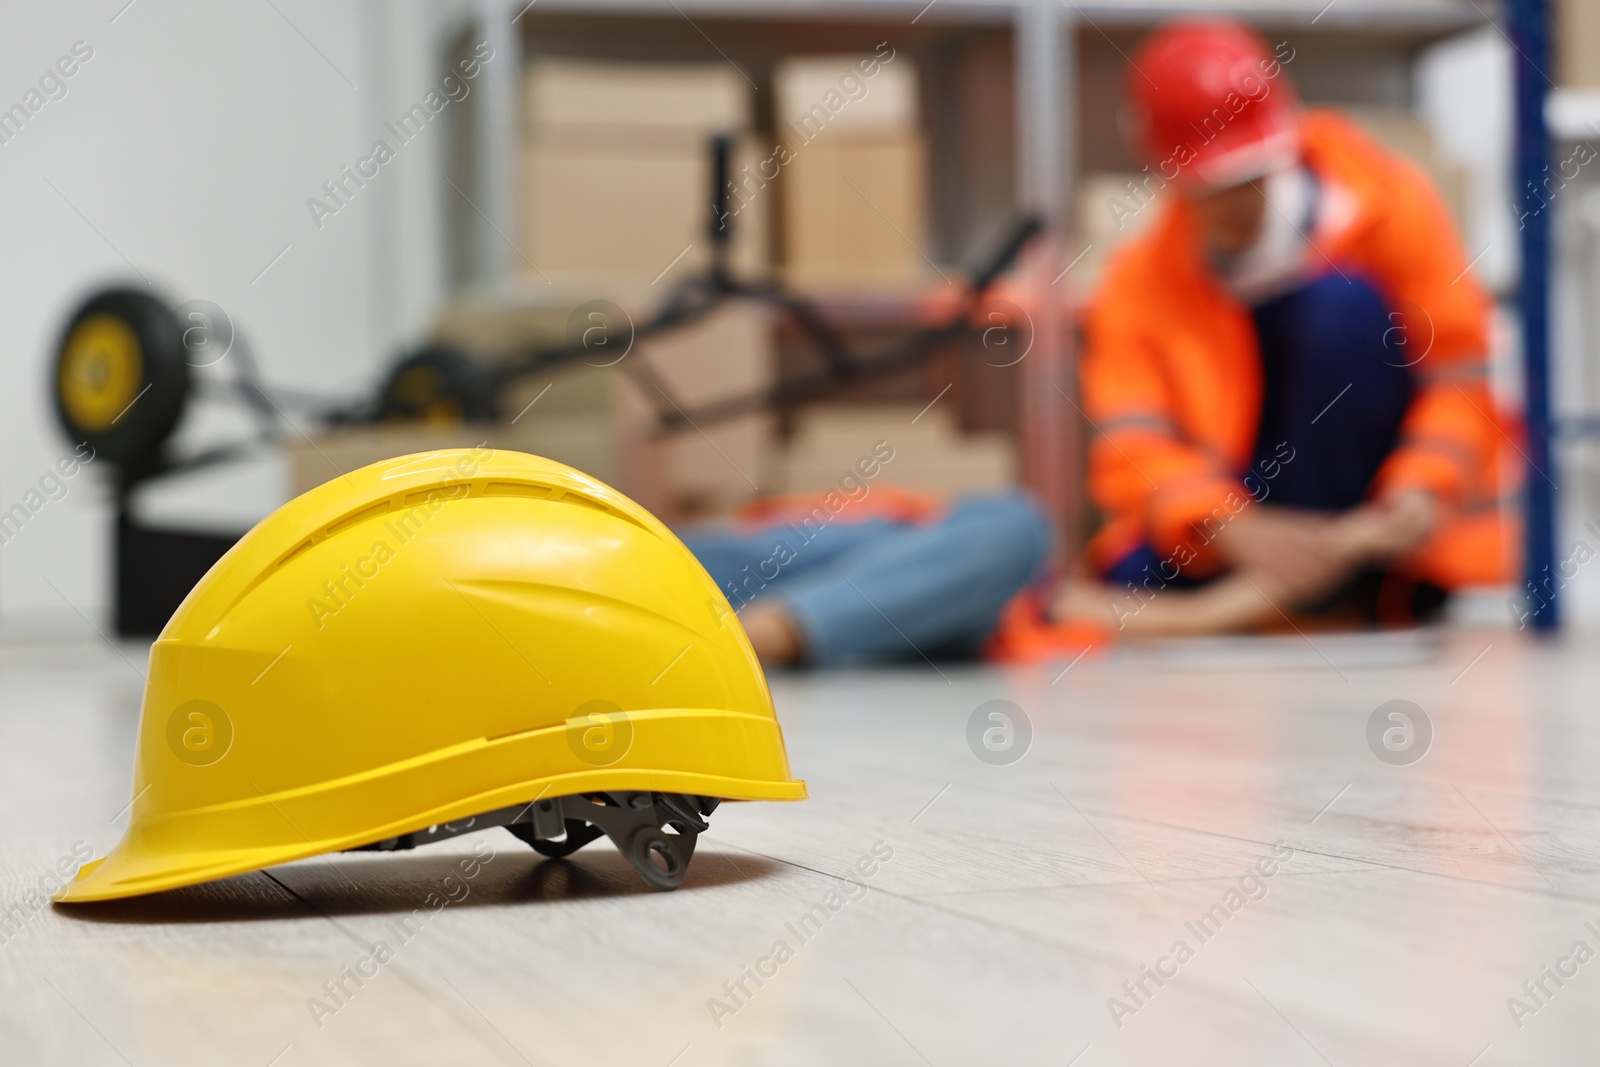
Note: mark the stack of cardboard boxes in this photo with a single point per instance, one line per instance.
(616, 203)
(617, 197)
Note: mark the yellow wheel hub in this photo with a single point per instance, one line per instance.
(101, 368)
(422, 388)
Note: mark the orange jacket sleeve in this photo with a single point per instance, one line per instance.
(1440, 318)
(1139, 462)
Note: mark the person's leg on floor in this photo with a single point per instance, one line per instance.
(748, 565)
(920, 590)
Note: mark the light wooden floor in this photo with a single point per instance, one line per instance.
(1017, 901)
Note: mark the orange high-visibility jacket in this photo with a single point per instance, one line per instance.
(1172, 380)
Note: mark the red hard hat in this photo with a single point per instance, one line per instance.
(1210, 105)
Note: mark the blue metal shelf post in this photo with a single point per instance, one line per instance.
(1529, 31)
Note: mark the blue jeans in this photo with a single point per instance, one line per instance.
(1334, 387)
(877, 590)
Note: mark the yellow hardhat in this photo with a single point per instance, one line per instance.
(434, 644)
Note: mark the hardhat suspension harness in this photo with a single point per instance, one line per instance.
(559, 826)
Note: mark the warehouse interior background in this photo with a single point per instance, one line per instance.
(112, 186)
(1397, 824)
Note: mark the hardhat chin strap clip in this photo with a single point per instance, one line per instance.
(636, 822)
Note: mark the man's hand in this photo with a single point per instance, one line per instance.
(1289, 554)
(1292, 556)
(1392, 526)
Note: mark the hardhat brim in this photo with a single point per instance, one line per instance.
(165, 852)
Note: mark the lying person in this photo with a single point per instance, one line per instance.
(883, 577)
(1286, 370)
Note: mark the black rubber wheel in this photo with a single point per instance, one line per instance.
(662, 859)
(121, 380)
(442, 386)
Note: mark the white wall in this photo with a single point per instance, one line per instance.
(186, 148)
(1464, 91)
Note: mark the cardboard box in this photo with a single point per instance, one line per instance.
(614, 213)
(691, 100)
(712, 468)
(578, 420)
(930, 454)
(855, 213)
(618, 197)
(1577, 43)
(600, 418)
(854, 182)
(580, 441)
(616, 182)
(853, 95)
(494, 327)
